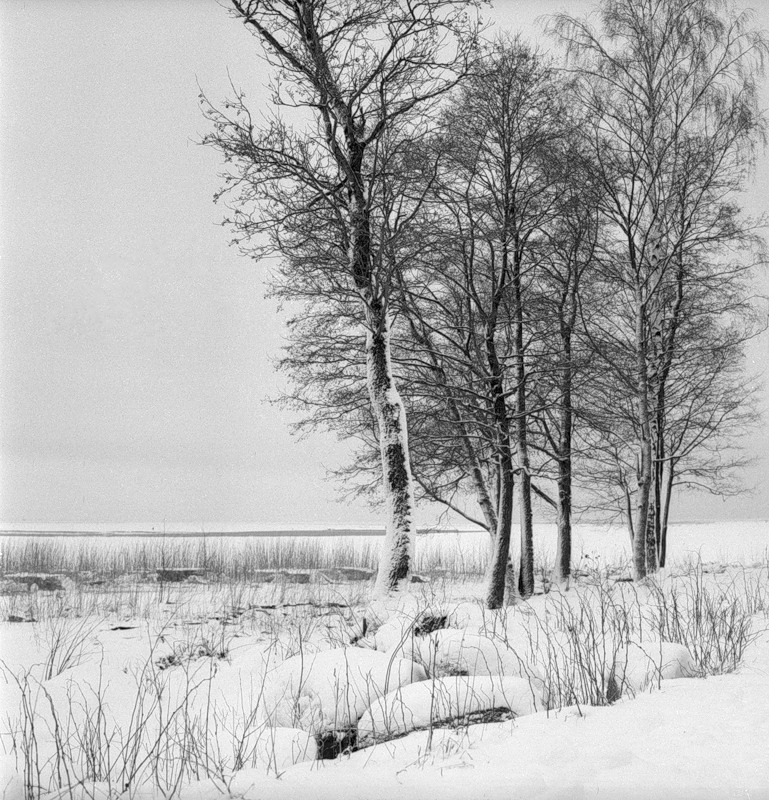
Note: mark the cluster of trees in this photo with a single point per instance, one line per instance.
(518, 277)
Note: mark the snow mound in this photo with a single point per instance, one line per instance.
(393, 634)
(328, 691)
(652, 661)
(456, 652)
(420, 704)
(280, 748)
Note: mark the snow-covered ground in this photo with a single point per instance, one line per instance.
(195, 691)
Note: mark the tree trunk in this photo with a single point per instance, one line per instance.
(663, 549)
(398, 551)
(563, 545)
(511, 582)
(645, 447)
(526, 573)
(653, 514)
(629, 512)
(500, 556)
(651, 533)
(397, 483)
(666, 466)
(655, 499)
(492, 516)
(642, 511)
(658, 446)
(498, 576)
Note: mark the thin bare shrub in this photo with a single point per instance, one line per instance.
(68, 642)
(714, 619)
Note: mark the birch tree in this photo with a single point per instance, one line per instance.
(358, 77)
(670, 87)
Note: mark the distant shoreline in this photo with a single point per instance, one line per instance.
(200, 534)
(144, 533)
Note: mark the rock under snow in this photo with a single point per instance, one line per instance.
(402, 628)
(394, 634)
(441, 700)
(328, 691)
(456, 652)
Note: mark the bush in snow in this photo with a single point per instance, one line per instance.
(575, 648)
(328, 691)
(125, 728)
(713, 620)
(644, 665)
(594, 646)
(444, 700)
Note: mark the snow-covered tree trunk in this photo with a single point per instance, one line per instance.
(500, 568)
(397, 483)
(398, 548)
(655, 350)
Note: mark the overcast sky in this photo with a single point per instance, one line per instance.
(136, 345)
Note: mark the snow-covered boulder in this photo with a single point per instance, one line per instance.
(402, 627)
(394, 634)
(416, 648)
(648, 662)
(329, 690)
(457, 652)
(438, 701)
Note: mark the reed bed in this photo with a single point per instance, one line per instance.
(233, 558)
(458, 553)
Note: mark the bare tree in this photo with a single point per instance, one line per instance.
(514, 116)
(360, 76)
(492, 198)
(464, 271)
(564, 354)
(669, 85)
